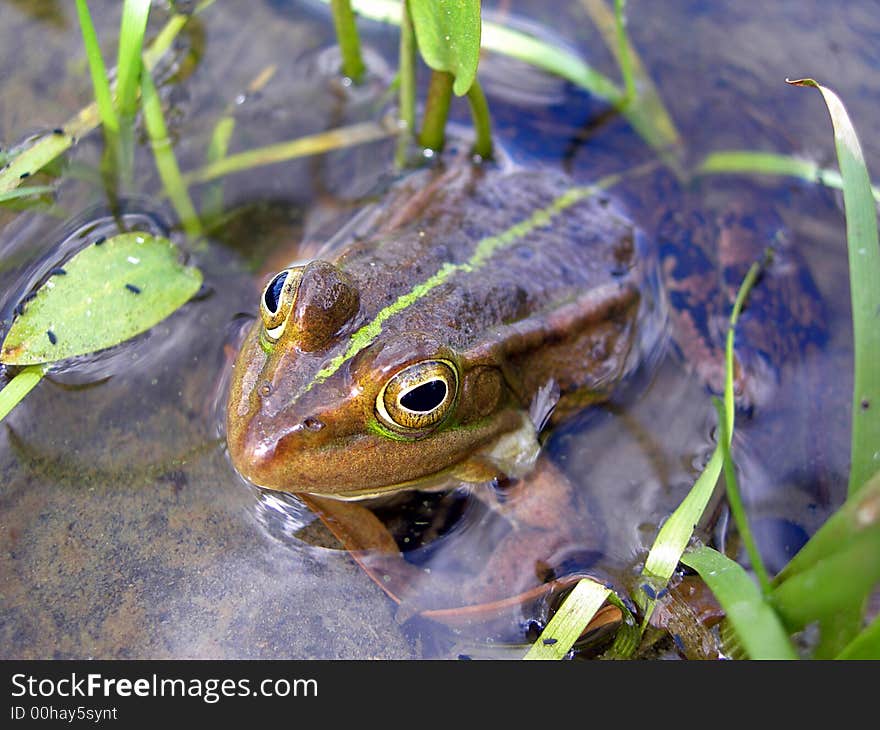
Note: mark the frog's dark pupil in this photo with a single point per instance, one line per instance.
(273, 292)
(425, 397)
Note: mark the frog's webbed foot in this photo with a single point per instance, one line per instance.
(704, 259)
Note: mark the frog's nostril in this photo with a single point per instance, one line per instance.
(313, 424)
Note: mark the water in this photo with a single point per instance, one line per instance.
(125, 531)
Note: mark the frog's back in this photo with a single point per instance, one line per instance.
(482, 252)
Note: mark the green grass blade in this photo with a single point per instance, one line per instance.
(641, 105)
(212, 200)
(860, 512)
(758, 629)
(866, 645)
(838, 584)
(17, 388)
(864, 271)
(734, 500)
(100, 80)
(26, 192)
(576, 611)
(128, 66)
(830, 578)
(624, 56)
(771, 163)
(314, 144)
(166, 162)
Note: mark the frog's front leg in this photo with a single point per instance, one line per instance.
(551, 536)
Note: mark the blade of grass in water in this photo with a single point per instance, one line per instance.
(218, 147)
(17, 388)
(678, 529)
(128, 68)
(26, 192)
(866, 645)
(624, 57)
(734, 500)
(333, 139)
(756, 625)
(128, 76)
(100, 80)
(642, 105)
(566, 626)
(771, 163)
(45, 150)
(166, 162)
(864, 272)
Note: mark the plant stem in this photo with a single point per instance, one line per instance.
(482, 121)
(349, 42)
(436, 111)
(407, 76)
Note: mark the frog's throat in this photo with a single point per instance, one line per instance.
(484, 250)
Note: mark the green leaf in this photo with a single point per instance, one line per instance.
(448, 36)
(864, 272)
(108, 294)
(576, 611)
(757, 626)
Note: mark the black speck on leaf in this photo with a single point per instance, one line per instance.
(57, 271)
(24, 175)
(550, 642)
(100, 240)
(133, 289)
(51, 335)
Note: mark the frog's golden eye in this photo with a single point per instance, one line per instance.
(277, 300)
(419, 396)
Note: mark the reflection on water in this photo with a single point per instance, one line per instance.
(126, 533)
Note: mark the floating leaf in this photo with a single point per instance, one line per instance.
(104, 295)
(448, 35)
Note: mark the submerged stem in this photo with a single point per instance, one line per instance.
(407, 77)
(349, 42)
(482, 121)
(436, 111)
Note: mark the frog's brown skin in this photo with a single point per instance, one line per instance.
(558, 304)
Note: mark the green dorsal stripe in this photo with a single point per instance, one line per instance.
(484, 250)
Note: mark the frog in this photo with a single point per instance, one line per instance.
(430, 344)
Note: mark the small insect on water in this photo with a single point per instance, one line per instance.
(100, 240)
(51, 335)
(57, 271)
(133, 289)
